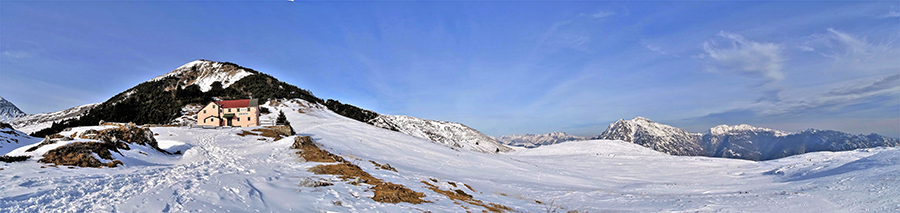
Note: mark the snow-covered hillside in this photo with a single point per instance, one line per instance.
(221, 171)
(204, 72)
(659, 137)
(36, 122)
(11, 139)
(536, 140)
(450, 134)
(8, 110)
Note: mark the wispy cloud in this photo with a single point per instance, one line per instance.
(838, 98)
(16, 54)
(750, 58)
(866, 101)
(603, 14)
(805, 48)
(893, 13)
(653, 48)
(855, 53)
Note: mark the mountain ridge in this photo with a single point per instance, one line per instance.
(537, 140)
(738, 141)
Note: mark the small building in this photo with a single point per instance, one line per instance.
(239, 113)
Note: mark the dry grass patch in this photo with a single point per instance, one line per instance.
(265, 132)
(460, 195)
(386, 166)
(80, 154)
(311, 152)
(470, 188)
(385, 192)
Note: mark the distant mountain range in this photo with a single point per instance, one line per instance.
(537, 140)
(36, 122)
(739, 141)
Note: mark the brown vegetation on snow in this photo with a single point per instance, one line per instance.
(461, 195)
(110, 140)
(276, 132)
(80, 154)
(385, 192)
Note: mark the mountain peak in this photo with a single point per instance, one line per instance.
(9, 110)
(660, 137)
(204, 72)
(642, 119)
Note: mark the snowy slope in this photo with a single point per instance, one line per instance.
(221, 171)
(450, 134)
(11, 139)
(659, 137)
(8, 110)
(536, 140)
(36, 122)
(203, 73)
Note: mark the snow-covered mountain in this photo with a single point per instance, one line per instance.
(11, 139)
(755, 143)
(738, 141)
(228, 170)
(8, 110)
(537, 140)
(174, 97)
(204, 73)
(659, 137)
(450, 134)
(34, 122)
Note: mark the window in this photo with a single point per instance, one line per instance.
(238, 118)
(229, 110)
(204, 111)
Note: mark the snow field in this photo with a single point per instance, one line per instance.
(223, 172)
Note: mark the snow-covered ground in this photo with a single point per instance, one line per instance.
(221, 171)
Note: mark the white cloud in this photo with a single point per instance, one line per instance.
(750, 58)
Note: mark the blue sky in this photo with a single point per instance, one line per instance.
(500, 67)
